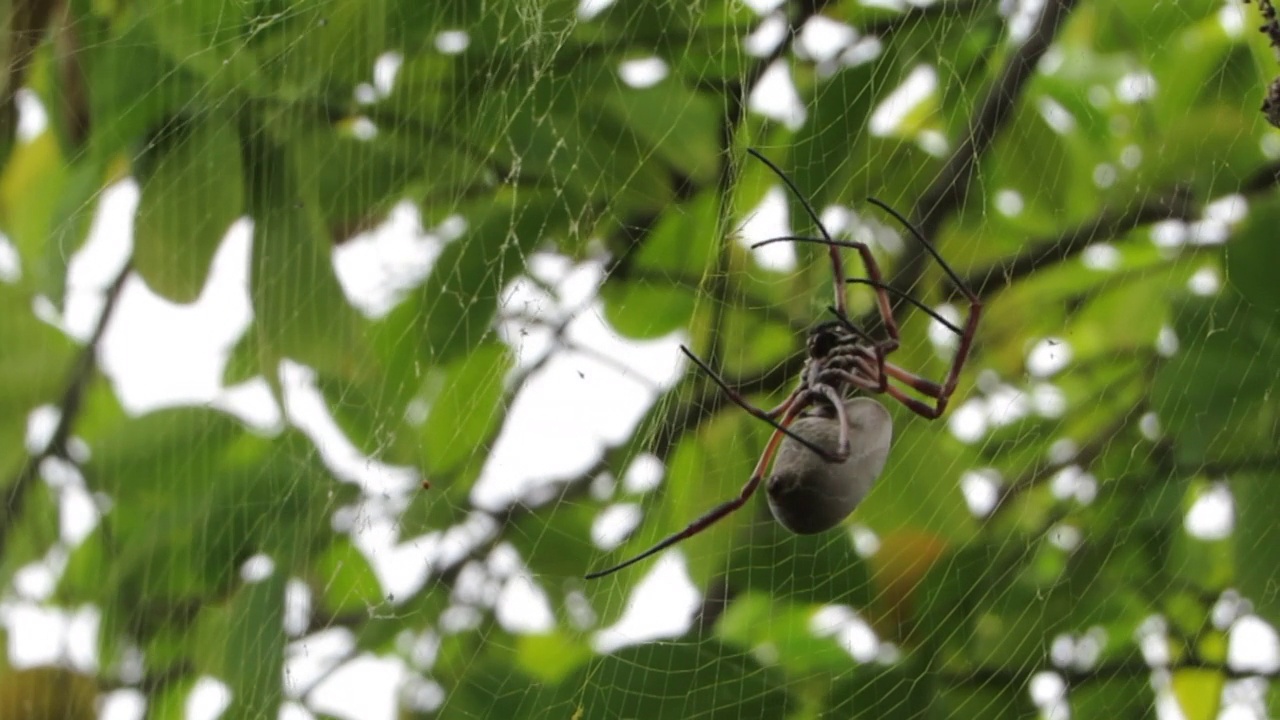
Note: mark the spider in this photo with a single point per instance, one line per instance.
(841, 359)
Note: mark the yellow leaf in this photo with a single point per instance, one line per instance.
(47, 693)
(1199, 692)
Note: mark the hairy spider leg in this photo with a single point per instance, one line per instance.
(941, 394)
(723, 509)
(782, 407)
(837, 263)
(797, 397)
(837, 402)
(902, 296)
(873, 270)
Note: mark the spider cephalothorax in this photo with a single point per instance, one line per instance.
(828, 447)
(825, 336)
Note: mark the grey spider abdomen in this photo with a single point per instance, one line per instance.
(808, 494)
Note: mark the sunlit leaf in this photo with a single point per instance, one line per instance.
(1199, 692)
(467, 407)
(345, 579)
(551, 656)
(790, 632)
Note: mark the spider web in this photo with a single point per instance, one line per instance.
(393, 300)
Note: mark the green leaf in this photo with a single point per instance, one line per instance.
(250, 656)
(755, 623)
(677, 680)
(990, 700)
(192, 190)
(1256, 537)
(920, 485)
(1253, 253)
(680, 125)
(320, 50)
(359, 179)
(454, 310)
(1112, 697)
(33, 533)
(246, 361)
(555, 542)
(550, 657)
(1218, 396)
(174, 474)
(73, 216)
(31, 187)
(869, 692)
(371, 417)
(802, 569)
(208, 39)
(300, 309)
(155, 454)
(644, 310)
(35, 360)
(1144, 28)
(706, 468)
(656, 289)
(344, 581)
(469, 405)
(132, 86)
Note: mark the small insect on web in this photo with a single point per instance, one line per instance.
(827, 448)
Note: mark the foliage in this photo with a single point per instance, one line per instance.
(1100, 174)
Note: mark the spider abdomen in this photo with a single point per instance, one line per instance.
(808, 494)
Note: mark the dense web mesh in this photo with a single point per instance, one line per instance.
(341, 339)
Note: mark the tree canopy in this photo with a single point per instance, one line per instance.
(1089, 527)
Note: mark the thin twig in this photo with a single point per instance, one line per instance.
(337, 664)
(1111, 222)
(1083, 457)
(82, 371)
(950, 188)
(988, 676)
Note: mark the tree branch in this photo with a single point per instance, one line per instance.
(1083, 457)
(1137, 669)
(949, 189)
(1176, 204)
(82, 371)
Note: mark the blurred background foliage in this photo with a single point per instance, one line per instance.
(1098, 171)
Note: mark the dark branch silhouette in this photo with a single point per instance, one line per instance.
(78, 380)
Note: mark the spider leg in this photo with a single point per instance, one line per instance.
(907, 296)
(873, 270)
(720, 511)
(925, 410)
(940, 393)
(797, 399)
(924, 386)
(837, 402)
(774, 413)
(837, 266)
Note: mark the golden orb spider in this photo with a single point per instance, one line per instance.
(818, 477)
